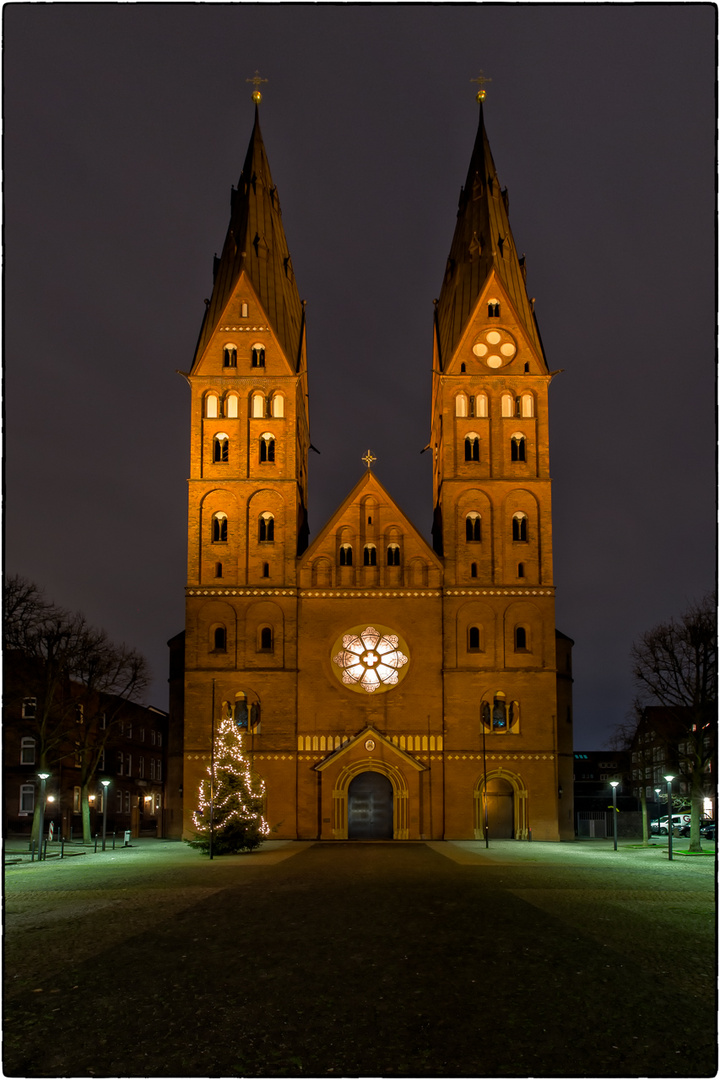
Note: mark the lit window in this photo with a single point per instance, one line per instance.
(267, 447)
(278, 405)
(527, 405)
(244, 309)
(27, 751)
(461, 405)
(219, 528)
(220, 447)
(27, 798)
(507, 405)
(231, 406)
(212, 402)
(472, 526)
(393, 555)
(481, 405)
(257, 409)
(494, 308)
(472, 447)
(370, 660)
(517, 448)
(519, 527)
(370, 555)
(258, 356)
(267, 527)
(346, 555)
(230, 356)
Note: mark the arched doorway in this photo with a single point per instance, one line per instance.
(501, 823)
(507, 809)
(370, 807)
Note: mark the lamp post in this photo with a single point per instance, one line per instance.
(43, 778)
(613, 785)
(669, 779)
(657, 800)
(105, 784)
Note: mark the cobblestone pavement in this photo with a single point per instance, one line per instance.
(443, 959)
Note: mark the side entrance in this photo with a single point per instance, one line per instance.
(370, 807)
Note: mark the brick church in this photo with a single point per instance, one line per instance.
(388, 689)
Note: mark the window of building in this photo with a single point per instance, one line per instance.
(370, 555)
(519, 527)
(266, 570)
(472, 447)
(527, 405)
(102, 721)
(29, 708)
(257, 406)
(266, 639)
(158, 771)
(346, 555)
(128, 765)
(219, 528)
(159, 738)
(141, 767)
(231, 406)
(393, 555)
(27, 751)
(220, 639)
(461, 405)
(481, 405)
(244, 310)
(521, 570)
(120, 763)
(267, 527)
(507, 405)
(118, 801)
(520, 639)
(473, 639)
(221, 444)
(494, 308)
(473, 569)
(152, 768)
(27, 798)
(230, 356)
(158, 803)
(218, 569)
(212, 402)
(127, 802)
(101, 760)
(278, 405)
(472, 526)
(258, 356)
(267, 446)
(517, 448)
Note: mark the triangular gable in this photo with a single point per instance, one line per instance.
(382, 740)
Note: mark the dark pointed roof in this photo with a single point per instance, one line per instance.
(255, 242)
(482, 242)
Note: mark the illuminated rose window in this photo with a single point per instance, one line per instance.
(370, 660)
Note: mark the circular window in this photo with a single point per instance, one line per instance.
(495, 347)
(370, 659)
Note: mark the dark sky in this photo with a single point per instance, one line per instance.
(125, 127)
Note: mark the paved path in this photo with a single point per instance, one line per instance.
(362, 960)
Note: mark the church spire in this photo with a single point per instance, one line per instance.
(255, 244)
(482, 243)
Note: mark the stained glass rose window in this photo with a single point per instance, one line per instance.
(369, 659)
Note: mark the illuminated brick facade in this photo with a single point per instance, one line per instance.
(460, 678)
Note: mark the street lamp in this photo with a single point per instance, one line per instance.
(105, 784)
(613, 785)
(669, 779)
(657, 801)
(43, 777)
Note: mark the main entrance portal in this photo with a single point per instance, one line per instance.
(370, 807)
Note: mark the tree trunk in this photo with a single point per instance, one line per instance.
(644, 815)
(85, 807)
(695, 812)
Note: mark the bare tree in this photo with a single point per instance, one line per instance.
(675, 666)
(79, 678)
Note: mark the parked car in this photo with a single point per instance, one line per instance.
(661, 827)
(706, 824)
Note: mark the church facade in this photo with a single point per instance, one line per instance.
(389, 689)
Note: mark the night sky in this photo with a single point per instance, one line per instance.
(125, 127)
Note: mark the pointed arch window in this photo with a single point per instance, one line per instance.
(230, 356)
(370, 555)
(231, 406)
(219, 528)
(481, 404)
(212, 402)
(517, 447)
(393, 555)
(267, 446)
(472, 446)
(473, 526)
(494, 307)
(258, 356)
(278, 405)
(221, 445)
(257, 405)
(520, 527)
(266, 531)
(527, 405)
(346, 556)
(461, 405)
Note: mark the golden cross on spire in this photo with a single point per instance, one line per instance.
(369, 459)
(481, 80)
(256, 80)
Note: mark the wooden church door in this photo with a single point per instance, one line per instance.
(370, 807)
(501, 825)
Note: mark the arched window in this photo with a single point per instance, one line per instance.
(499, 713)
(219, 527)
(494, 308)
(278, 405)
(461, 405)
(267, 446)
(266, 531)
(473, 640)
(257, 406)
(472, 526)
(517, 448)
(230, 356)
(519, 527)
(393, 555)
(212, 402)
(507, 405)
(220, 447)
(244, 309)
(481, 405)
(220, 639)
(472, 447)
(370, 555)
(266, 570)
(231, 406)
(266, 638)
(258, 356)
(473, 569)
(218, 569)
(527, 405)
(521, 570)
(346, 555)
(520, 639)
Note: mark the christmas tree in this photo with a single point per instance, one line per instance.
(237, 799)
